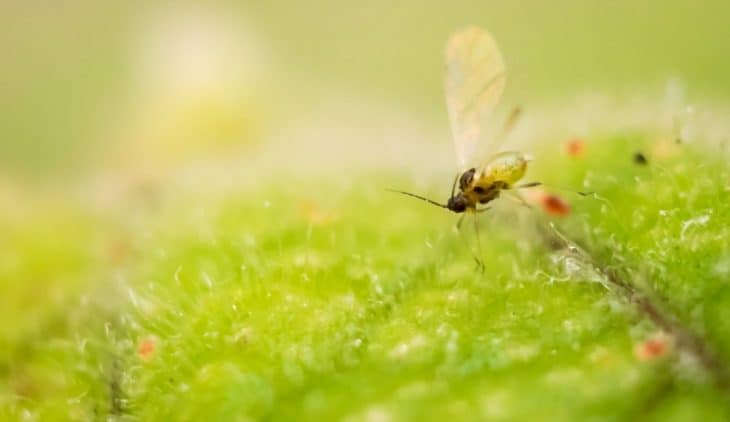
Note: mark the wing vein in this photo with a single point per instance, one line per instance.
(475, 78)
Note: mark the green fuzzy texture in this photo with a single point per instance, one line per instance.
(335, 299)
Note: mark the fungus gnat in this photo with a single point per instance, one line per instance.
(475, 78)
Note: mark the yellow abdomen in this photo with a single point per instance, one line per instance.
(508, 167)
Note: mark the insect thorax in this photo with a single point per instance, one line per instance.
(482, 194)
(466, 179)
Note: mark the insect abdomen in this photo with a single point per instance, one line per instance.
(508, 167)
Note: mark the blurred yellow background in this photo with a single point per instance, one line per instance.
(88, 86)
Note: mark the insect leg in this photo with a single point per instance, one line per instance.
(480, 265)
(461, 220)
(453, 187)
(535, 184)
(528, 185)
(478, 255)
(515, 196)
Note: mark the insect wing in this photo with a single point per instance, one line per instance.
(475, 78)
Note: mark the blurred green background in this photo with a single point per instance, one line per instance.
(84, 80)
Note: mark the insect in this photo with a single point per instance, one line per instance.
(475, 79)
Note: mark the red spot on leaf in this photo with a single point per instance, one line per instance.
(550, 203)
(576, 147)
(652, 349)
(555, 205)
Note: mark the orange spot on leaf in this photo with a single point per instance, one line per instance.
(550, 203)
(555, 205)
(146, 349)
(576, 147)
(653, 348)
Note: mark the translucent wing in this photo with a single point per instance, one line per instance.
(475, 78)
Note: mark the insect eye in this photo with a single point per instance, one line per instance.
(478, 189)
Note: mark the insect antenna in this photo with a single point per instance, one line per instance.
(453, 187)
(418, 197)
